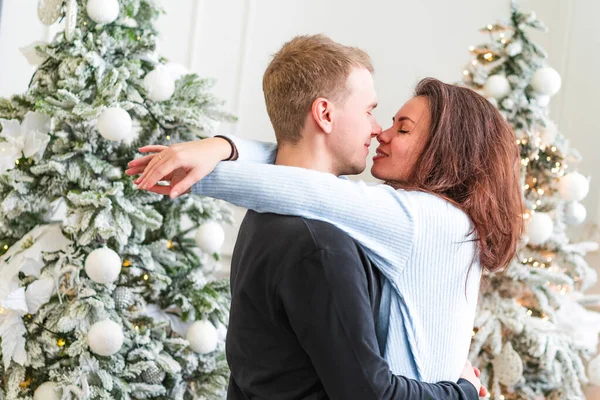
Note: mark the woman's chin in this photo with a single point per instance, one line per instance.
(376, 173)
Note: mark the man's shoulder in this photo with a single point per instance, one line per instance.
(299, 231)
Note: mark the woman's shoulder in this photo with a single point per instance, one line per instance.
(433, 208)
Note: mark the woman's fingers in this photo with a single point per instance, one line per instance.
(164, 190)
(483, 392)
(154, 171)
(152, 148)
(141, 161)
(135, 170)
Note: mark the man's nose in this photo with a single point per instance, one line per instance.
(376, 130)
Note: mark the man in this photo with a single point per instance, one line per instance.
(304, 296)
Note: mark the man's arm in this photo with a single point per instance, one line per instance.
(325, 298)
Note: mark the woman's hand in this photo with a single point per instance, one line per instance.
(182, 164)
(471, 374)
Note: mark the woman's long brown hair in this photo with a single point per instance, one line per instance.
(472, 159)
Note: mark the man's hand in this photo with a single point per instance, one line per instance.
(471, 374)
(182, 164)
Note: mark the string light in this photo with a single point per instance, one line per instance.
(474, 62)
(126, 263)
(471, 48)
(169, 244)
(146, 277)
(168, 137)
(61, 342)
(465, 72)
(25, 383)
(529, 312)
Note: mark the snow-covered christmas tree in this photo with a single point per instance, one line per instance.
(106, 292)
(533, 333)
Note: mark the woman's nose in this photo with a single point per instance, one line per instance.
(384, 137)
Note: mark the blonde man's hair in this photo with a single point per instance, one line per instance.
(306, 68)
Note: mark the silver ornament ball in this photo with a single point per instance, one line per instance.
(153, 375)
(123, 297)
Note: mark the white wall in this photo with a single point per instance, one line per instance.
(232, 40)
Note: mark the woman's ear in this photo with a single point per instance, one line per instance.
(321, 112)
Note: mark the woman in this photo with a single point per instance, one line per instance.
(450, 207)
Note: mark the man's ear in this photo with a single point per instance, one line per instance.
(321, 112)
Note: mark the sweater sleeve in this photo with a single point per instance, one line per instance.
(253, 151)
(378, 217)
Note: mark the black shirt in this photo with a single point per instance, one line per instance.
(302, 318)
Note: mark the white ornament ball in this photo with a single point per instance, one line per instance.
(594, 371)
(221, 331)
(210, 237)
(203, 337)
(539, 229)
(546, 81)
(103, 11)
(105, 338)
(496, 86)
(160, 84)
(542, 100)
(575, 213)
(508, 366)
(176, 70)
(115, 124)
(548, 133)
(103, 265)
(573, 187)
(48, 391)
